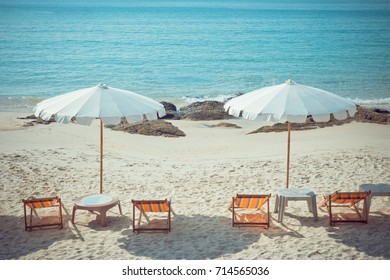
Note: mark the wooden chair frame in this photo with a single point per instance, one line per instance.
(347, 200)
(256, 205)
(44, 202)
(151, 206)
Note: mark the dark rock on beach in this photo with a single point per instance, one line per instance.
(375, 115)
(36, 120)
(203, 111)
(170, 107)
(30, 117)
(152, 128)
(225, 124)
(170, 110)
(279, 127)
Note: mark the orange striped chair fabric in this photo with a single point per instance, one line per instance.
(258, 216)
(152, 206)
(344, 198)
(348, 200)
(38, 203)
(250, 202)
(42, 203)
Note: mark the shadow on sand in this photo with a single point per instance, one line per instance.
(372, 238)
(195, 237)
(19, 243)
(16, 242)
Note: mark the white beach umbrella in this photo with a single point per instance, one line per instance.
(290, 102)
(99, 102)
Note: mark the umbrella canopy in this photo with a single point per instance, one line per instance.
(105, 103)
(290, 102)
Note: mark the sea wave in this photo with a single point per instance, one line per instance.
(383, 103)
(378, 101)
(220, 98)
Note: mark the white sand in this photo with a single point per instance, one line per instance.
(200, 173)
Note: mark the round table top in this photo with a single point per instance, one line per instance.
(94, 200)
(295, 192)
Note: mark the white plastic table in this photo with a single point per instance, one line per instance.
(295, 194)
(96, 202)
(376, 190)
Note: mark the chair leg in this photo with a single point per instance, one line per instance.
(25, 217)
(60, 212)
(233, 218)
(146, 217)
(139, 218)
(31, 218)
(133, 218)
(233, 212)
(330, 212)
(74, 213)
(169, 218)
(357, 211)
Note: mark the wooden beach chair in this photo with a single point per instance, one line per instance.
(41, 203)
(157, 214)
(250, 210)
(343, 207)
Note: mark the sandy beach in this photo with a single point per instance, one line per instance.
(199, 173)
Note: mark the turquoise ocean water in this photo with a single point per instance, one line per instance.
(183, 51)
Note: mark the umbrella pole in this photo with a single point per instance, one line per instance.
(101, 156)
(288, 152)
